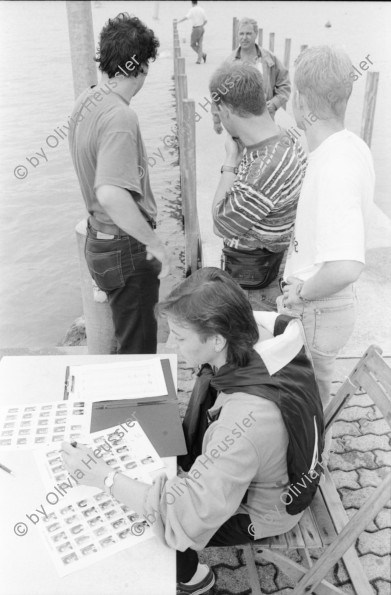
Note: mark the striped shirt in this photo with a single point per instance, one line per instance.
(259, 210)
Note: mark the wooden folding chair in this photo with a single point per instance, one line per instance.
(325, 523)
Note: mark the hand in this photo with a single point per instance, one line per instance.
(271, 107)
(160, 252)
(289, 291)
(77, 457)
(233, 151)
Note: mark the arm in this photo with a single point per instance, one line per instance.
(126, 490)
(237, 205)
(282, 87)
(330, 278)
(184, 19)
(121, 207)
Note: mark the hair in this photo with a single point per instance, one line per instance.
(245, 94)
(247, 21)
(322, 76)
(212, 303)
(122, 38)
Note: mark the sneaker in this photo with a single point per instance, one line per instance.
(198, 62)
(198, 588)
(204, 57)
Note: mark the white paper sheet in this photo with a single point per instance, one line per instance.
(25, 427)
(120, 380)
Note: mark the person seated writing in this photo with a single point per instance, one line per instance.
(253, 427)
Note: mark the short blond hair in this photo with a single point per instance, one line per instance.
(323, 77)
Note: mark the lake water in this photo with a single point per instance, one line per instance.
(39, 289)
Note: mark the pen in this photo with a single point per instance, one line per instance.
(6, 469)
(132, 404)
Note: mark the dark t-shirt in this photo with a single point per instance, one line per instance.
(107, 149)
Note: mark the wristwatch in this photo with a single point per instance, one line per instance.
(109, 481)
(233, 170)
(299, 287)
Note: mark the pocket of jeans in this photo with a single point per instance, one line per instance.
(333, 327)
(105, 269)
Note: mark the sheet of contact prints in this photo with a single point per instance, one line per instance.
(88, 530)
(118, 380)
(36, 424)
(125, 448)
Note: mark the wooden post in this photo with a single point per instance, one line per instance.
(235, 29)
(97, 312)
(287, 53)
(271, 42)
(81, 41)
(260, 37)
(156, 10)
(182, 95)
(189, 188)
(368, 115)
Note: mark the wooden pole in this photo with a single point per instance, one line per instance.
(260, 37)
(368, 115)
(156, 10)
(97, 312)
(271, 42)
(81, 41)
(235, 29)
(287, 53)
(189, 188)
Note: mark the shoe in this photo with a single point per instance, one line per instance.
(204, 57)
(198, 62)
(198, 588)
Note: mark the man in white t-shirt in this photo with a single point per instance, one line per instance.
(327, 250)
(198, 19)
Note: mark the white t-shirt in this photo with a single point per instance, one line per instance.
(196, 15)
(334, 206)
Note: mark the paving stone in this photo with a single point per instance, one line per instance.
(355, 498)
(372, 477)
(360, 399)
(343, 428)
(348, 479)
(377, 567)
(375, 543)
(348, 461)
(383, 519)
(382, 587)
(362, 443)
(354, 413)
(382, 458)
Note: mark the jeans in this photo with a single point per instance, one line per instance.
(328, 324)
(197, 34)
(119, 267)
(237, 530)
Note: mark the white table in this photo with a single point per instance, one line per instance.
(26, 567)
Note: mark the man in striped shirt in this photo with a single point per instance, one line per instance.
(255, 202)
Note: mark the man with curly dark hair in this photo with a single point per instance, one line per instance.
(124, 255)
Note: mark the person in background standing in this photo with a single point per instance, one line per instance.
(124, 255)
(327, 251)
(276, 81)
(198, 19)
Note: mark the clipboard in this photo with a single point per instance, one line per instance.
(158, 416)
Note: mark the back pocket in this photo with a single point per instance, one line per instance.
(105, 269)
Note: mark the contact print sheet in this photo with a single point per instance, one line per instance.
(87, 524)
(88, 530)
(34, 425)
